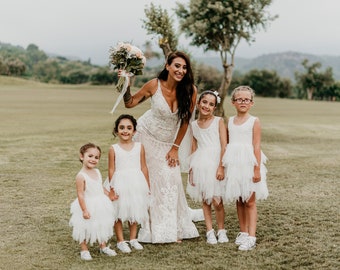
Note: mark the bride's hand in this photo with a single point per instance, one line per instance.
(172, 158)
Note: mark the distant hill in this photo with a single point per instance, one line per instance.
(285, 64)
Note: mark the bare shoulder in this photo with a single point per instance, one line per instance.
(257, 120)
(151, 86)
(257, 123)
(80, 177)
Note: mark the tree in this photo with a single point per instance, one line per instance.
(313, 79)
(159, 23)
(16, 67)
(220, 26)
(35, 55)
(267, 83)
(47, 71)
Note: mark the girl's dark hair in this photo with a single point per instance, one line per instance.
(184, 89)
(208, 92)
(120, 118)
(87, 146)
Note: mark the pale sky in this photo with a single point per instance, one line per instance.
(88, 28)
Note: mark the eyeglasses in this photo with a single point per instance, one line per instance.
(245, 101)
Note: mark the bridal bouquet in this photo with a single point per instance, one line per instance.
(129, 59)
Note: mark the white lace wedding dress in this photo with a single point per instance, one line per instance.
(170, 216)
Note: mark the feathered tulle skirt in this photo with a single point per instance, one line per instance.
(204, 164)
(134, 199)
(239, 161)
(99, 227)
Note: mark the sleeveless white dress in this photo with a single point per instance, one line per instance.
(204, 163)
(130, 185)
(170, 217)
(99, 227)
(239, 160)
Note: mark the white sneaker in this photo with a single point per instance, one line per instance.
(108, 251)
(211, 238)
(135, 244)
(248, 244)
(222, 236)
(241, 236)
(85, 255)
(123, 247)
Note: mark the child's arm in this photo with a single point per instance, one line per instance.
(80, 185)
(223, 141)
(143, 166)
(257, 149)
(193, 149)
(112, 168)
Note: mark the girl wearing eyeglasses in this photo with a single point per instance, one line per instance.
(244, 162)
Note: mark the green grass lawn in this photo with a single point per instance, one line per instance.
(42, 127)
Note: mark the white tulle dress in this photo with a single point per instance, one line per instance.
(204, 163)
(239, 160)
(130, 185)
(99, 227)
(170, 216)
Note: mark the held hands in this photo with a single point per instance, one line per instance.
(172, 157)
(112, 194)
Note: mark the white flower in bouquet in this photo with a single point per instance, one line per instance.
(128, 58)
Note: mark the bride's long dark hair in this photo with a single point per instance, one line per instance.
(184, 89)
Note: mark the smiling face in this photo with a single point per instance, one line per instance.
(125, 130)
(90, 158)
(177, 69)
(206, 104)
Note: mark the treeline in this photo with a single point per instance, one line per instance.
(33, 63)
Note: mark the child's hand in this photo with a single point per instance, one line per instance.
(220, 173)
(257, 175)
(112, 195)
(191, 180)
(86, 214)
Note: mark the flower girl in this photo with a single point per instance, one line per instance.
(129, 182)
(92, 212)
(244, 161)
(206, 174)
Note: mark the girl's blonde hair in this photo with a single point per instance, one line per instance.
(242, 88)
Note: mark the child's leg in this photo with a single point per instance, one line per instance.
(211, 237)
(207, 216)
(133, 230)
(251, 214)
(241, 214)
(133, 236)
(84, 253)
(119, 231)
(219, 212)
(83, 246)
(221, 232)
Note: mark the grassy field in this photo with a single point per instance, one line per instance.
(43, 126)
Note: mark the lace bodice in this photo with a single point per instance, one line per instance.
(159, 122)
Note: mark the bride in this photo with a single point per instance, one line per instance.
(162, 130)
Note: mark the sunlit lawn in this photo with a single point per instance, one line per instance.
(43, 126)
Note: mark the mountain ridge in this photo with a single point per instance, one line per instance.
(284, 63)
